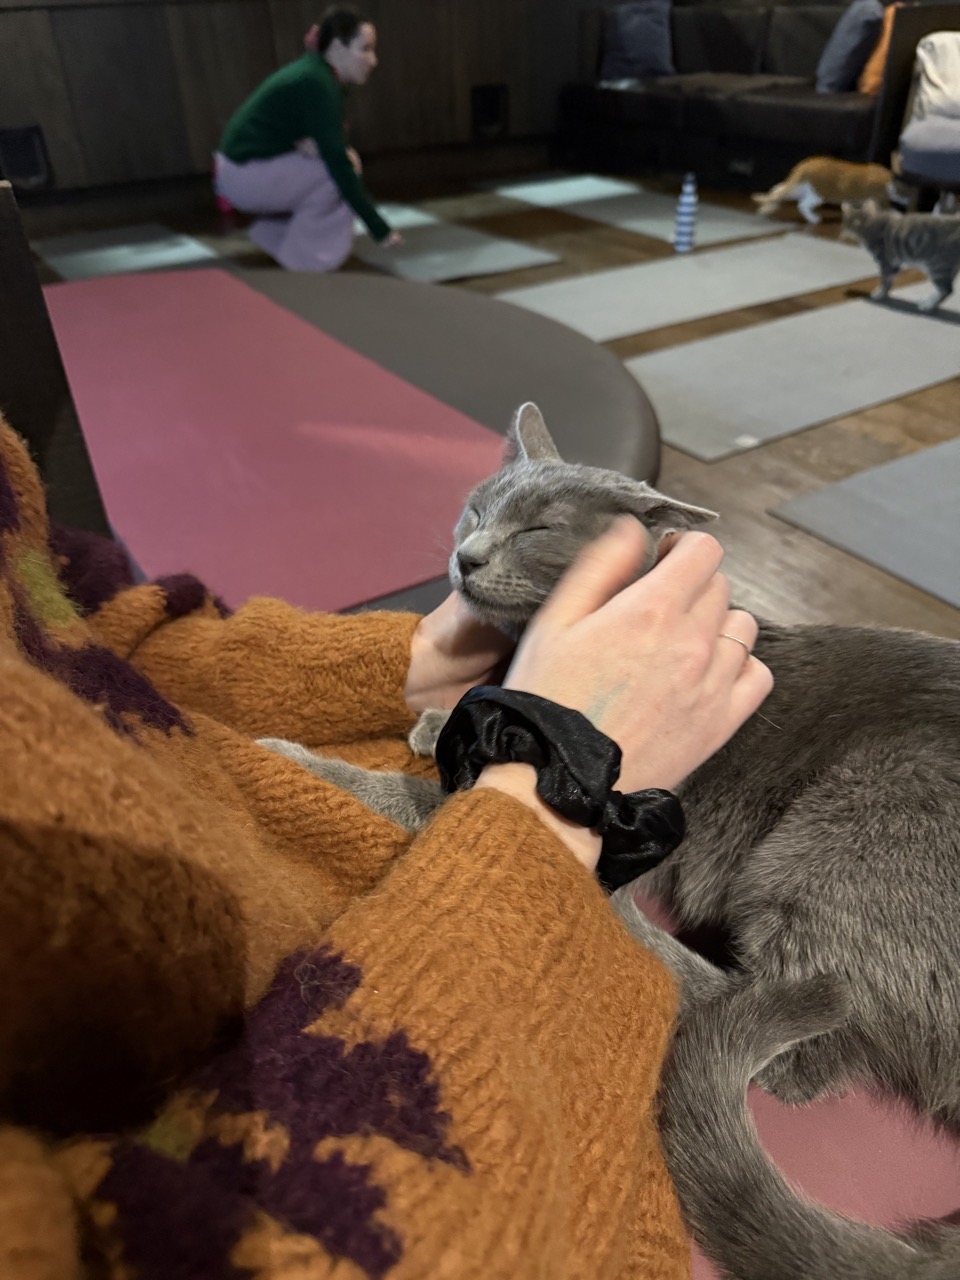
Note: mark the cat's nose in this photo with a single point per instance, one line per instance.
(468, 563)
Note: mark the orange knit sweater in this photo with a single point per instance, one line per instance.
(250, 1029)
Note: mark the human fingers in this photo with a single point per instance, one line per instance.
(683, 575)
(709, 610)
(604, 567)
(751, 686)
(736, 636)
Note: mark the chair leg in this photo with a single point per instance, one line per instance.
(926, 199)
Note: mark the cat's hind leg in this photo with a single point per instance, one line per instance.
(809, 1069)
(808, 203)
(942, 288)
(770, 201)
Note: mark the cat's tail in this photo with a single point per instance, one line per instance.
(738, 1207)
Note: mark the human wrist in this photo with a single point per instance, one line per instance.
(520, 782)
(576, 767)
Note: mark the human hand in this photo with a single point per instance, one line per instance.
(646, 661)
(355, 161)
(662, 665)
(393, 240)
(311, 38)
(451, 652)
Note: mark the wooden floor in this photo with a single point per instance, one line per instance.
(776, 570)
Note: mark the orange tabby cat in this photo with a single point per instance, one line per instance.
(823, 180)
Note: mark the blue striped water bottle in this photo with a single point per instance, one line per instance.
(685, 225)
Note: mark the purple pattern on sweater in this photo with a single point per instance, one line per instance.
(96, 567)
(316, 1088)
(184, 593)
(177, 1223)
(96, 675)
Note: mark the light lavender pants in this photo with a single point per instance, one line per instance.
(307, 225)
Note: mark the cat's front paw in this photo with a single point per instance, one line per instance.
(930, 304)
(879, 293)
(422, 739)
(283, 747)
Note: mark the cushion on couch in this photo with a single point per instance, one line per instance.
(796, 115)
(717, 39)
(705, 97)
(847, 51)
(796, 38)
(636, 41)
(637, 105)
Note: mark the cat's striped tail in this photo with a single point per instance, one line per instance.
(738, 1207)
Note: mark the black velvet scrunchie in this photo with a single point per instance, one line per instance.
(576, 765)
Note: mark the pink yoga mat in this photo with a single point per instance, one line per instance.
(862, 1155)
(235, 441)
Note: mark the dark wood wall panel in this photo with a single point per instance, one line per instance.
(221, 52)
(553, 42)
(291, 19)
(491, 48)
(33, 90)
(137, 89)
(122, 79)
(411, 99)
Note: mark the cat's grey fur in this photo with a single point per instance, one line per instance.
(824, 840)
(926, 240)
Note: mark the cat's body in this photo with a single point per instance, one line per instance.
(895, 240)
(823, 840)
(823, 180)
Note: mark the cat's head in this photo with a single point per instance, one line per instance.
(525, 524)
(857, 217)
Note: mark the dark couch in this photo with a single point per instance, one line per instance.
(742, 108)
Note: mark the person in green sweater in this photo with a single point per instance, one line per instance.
(284, 153)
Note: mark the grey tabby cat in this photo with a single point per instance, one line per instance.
(823, 841)
(896, 240)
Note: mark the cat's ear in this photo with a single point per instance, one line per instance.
(528, 439)
(662, 515)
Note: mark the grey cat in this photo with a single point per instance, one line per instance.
(823, 842)
(896, 240)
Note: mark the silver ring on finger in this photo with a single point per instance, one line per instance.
(725, 635)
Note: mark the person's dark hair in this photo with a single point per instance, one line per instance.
(340, 22)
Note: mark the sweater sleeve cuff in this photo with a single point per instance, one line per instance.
(274, 670)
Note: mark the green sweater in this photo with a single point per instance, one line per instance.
(304, 99)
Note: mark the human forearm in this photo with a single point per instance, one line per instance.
(542, 1027)
(336, 157)
(271, 669)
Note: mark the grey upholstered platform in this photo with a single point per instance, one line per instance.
(484, 358)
